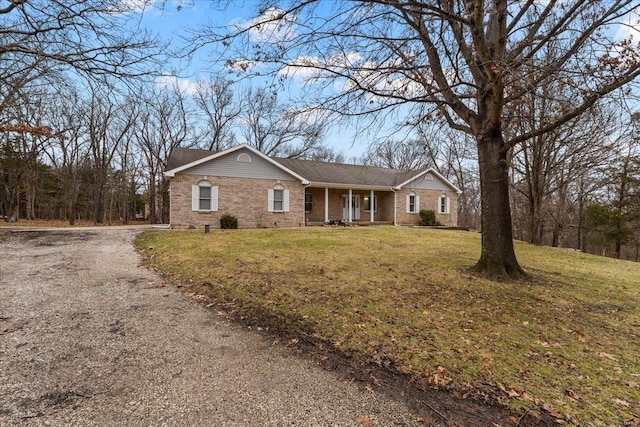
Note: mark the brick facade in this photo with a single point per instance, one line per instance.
(244, 198)
(245, 179)
(429, 201)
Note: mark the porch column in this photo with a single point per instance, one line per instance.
(326, 204)
(372, 205)
(350, 217)
(395, 207)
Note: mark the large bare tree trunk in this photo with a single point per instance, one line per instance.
(498, 258)
(98, 199)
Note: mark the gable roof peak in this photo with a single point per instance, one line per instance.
(200, 158)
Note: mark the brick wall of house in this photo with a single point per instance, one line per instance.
(244, 198)
(428, 200)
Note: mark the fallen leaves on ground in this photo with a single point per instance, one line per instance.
(364, 421)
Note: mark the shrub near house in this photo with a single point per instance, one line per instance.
(428, 217)
(228, 222)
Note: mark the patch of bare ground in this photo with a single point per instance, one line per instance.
(434, 405)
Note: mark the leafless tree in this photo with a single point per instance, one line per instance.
(429, 143)
(162, 126)
(110, 120)
(398, 154)
(24, 135)
(326, 154)
(546, 164)
(68, 154)
(50, 41)
(463, 58)
(90, 36)
(278, 130)
(215, 99)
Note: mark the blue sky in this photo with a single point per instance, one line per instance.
(177, 17)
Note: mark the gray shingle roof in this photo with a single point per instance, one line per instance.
(181, 156)
(313, 171)
(338, 173)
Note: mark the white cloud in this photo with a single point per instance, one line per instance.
(185, 86)
(630, 28)
(372, 76)
(158, 7)
(131, 6)
(382, 80)
(351, 72)
(308, 69)
(304, 69)
(273, 26)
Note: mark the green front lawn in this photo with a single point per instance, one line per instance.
(565, 342)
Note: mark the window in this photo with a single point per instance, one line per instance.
(204, 197)
(367, 203)
(443, 204)
(413, 203)
(308, 202)
(278, 199)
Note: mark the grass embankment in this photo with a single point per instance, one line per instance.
(567, 340)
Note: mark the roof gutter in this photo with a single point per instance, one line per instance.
(347, 186)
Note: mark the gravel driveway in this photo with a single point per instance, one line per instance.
(87, 337)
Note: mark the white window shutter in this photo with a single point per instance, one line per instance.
(270, 200)
(195, 198)
(417, 208)
(407, 204)
(285, 201)
(448, 206)
(214, 199)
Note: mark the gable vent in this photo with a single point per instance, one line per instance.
(244, 157)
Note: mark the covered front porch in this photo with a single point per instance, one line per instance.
(349, 205)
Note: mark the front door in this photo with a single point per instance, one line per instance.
(355, 207)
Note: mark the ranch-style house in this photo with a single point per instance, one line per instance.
(262, 191)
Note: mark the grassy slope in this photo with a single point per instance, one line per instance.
(566, 340)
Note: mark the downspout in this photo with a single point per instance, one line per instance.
(170, 216)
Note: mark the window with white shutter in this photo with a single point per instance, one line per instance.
(443, 204)
(204, 197)
(278, 199)
(413, 203)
